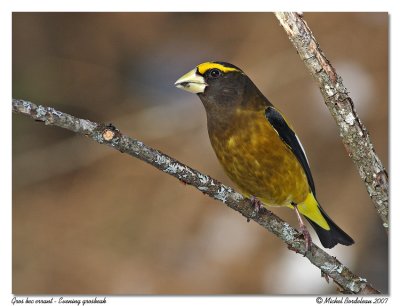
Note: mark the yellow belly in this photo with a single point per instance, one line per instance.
(259, 162)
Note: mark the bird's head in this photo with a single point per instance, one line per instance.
(220, 85)
(209, 76)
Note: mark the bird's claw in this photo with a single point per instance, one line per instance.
(307, 237)
(257, 205)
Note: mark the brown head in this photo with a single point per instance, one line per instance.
(223, 88)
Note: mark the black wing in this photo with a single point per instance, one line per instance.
(290, 138)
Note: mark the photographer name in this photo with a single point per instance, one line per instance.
(354, 300)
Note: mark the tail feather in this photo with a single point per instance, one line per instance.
(333, 236)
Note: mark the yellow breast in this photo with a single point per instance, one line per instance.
(258, 161)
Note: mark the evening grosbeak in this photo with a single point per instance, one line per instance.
(257, 148)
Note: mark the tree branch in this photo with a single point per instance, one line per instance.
(354, 135)
(109, 135)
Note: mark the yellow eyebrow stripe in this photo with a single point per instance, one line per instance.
(202, 68)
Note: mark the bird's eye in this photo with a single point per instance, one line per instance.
(215, 73)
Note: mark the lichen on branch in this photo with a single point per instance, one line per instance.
(354, 134)
(108, 135)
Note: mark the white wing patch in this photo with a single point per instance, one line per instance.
(301, 146)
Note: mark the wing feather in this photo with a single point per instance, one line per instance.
(291, 140)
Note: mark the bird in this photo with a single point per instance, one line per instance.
(257, 147)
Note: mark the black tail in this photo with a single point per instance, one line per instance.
(332, 237)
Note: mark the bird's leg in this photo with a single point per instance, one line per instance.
(303, 229)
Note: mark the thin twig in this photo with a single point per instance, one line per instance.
(354, 135)
(109, 135)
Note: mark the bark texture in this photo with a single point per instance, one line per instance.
(354, 135)
(108, 135)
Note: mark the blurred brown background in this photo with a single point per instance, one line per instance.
(89, 220)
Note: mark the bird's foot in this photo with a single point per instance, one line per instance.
(257, 206)
(303, 230)
(307, 236)
(293, 249)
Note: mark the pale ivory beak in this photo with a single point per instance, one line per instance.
(192, 82)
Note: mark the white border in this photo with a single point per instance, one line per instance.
(8, 6)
